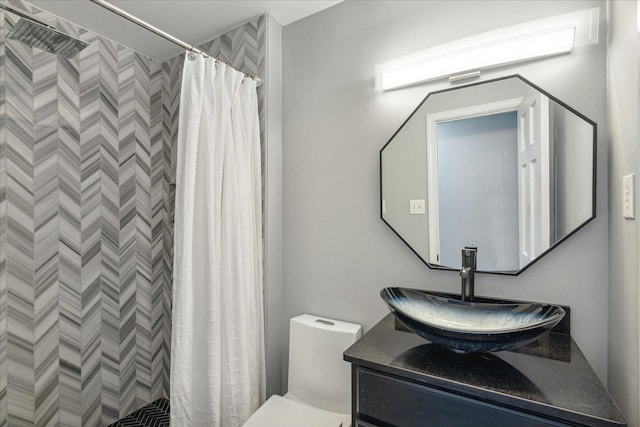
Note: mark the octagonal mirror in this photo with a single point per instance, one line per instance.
(500, 165)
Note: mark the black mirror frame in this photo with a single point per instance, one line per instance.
(554, 245)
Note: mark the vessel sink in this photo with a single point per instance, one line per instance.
(466, 327)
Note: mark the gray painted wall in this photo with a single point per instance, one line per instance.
(572, 157)
(623, 114)
(273, 208)
(338, 254)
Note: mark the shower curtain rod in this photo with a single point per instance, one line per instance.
(123, 13)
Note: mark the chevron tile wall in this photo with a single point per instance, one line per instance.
(87, 162)
(84, 314)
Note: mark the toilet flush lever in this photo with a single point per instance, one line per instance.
(325, 322)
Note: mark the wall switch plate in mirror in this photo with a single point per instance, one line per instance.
(416, 207)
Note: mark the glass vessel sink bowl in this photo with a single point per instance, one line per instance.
(466, 327)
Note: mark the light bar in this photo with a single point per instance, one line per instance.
(492, 49)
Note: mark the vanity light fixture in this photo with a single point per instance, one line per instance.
(463, 59)
(492, 49)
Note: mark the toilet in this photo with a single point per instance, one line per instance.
(319, 392)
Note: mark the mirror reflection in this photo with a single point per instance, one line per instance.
(499, 165)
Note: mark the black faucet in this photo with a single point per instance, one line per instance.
(467, 272)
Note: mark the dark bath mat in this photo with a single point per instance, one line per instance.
(155, 414)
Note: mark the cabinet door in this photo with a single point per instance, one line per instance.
(386, 400)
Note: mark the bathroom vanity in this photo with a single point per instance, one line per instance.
(399, 379)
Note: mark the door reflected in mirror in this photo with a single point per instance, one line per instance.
(499, 165)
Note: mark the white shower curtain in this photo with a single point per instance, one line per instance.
(217, 345)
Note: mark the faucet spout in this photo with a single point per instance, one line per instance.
(467, 273)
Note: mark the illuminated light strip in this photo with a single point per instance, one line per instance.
(456, 55)
(495, 48)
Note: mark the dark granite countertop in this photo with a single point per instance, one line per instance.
(550, 376)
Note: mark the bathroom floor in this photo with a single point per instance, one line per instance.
(155, 414)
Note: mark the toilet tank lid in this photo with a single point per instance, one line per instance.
(328, 324)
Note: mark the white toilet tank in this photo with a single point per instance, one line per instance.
(317, 373)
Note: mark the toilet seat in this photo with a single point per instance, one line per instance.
(278, 411)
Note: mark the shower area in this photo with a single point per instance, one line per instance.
(87, 173)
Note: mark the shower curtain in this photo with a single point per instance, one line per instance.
(217, 344)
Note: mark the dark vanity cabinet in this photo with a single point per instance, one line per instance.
(399, 379)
